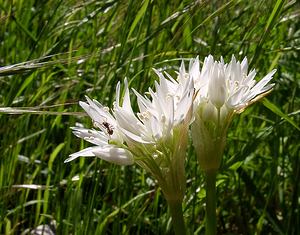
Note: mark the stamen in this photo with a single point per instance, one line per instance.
(144, 116)
(97, 124)
(106, 109)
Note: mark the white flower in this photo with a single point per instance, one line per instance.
(155, 138)
(217, 85)
(221, 91)
(108, 132)
(157, 135)
(169, 106)
(229, 84)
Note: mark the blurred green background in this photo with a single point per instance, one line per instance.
(53, 53)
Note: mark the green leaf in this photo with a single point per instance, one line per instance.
(236, 165)
(54, 155)
(269, 26)
(138, 17)
(268, 104)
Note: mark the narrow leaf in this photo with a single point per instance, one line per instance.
(277, 111)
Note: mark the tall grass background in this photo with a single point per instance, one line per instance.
(53, 53)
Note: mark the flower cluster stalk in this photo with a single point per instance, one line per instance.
(211, 201)
(177, 217)
(155, 138)
(222, 91)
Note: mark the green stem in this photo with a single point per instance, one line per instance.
(211, 217)
(177, 217)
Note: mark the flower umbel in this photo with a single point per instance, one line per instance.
(155, 138)
(222, 90)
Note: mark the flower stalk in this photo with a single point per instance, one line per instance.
(211, 201)
(177, 217)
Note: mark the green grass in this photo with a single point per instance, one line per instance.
(59, 51)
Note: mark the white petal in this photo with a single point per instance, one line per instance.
(217, 86)
(92, 136)
(160, 96)
(87, 152)
(127, 120)
(238, 97)
(249, 80)
(264, 80)
(172, 80)
(115, 155)
(182, 68)
(194, 69)
(126, 100)
(134, 137)
(109, 153)
(184, 105)
(97, 112)
(244, 65)
(156, 128)
(103, 111)
(118, 94)
(143, 102)
(261, 87)
(156, 103)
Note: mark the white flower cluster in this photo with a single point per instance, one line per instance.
(227, 86)
(117, 131)
(208, 97)
(221, 91)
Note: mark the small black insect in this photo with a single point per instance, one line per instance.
(108, 127)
